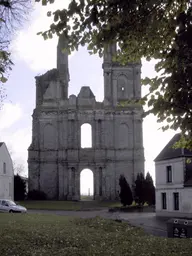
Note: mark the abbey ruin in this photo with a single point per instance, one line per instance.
(56, 158)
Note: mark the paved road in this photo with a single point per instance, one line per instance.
(147, 221)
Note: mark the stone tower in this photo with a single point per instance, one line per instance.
(56, 158)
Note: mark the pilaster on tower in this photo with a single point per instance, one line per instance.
(62, 64)
(109, 53)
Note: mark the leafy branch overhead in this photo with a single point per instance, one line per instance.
(158, 29)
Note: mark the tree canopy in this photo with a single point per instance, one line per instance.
(158, 29)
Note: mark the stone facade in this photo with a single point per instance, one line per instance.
(56, 158)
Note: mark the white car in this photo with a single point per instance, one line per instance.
(10, 206)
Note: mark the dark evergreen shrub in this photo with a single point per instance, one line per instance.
(125, 191)
(140, 193)
(19, 188)
(36, 195)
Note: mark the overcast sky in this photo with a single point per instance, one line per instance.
(33, 56)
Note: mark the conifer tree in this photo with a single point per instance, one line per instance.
(140, 189)
(125, 191)
(149, 190)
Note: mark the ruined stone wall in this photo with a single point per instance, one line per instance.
(117, 149)
(56, 158)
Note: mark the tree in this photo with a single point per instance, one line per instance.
(12, 15)
(149, 190)
(140, 193)
(18, 168)
(125, 191)
(19, 188)
(159, 29)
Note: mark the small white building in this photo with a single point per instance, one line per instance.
(173, 168)
(6, 173)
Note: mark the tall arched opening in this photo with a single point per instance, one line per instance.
(86, 136)
(86, 185)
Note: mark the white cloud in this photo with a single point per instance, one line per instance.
(9, 114)
(33, 49)
(16, 137)
(18, 144)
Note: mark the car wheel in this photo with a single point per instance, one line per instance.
(11, 211)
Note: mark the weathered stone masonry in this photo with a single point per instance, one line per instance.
(56, 158)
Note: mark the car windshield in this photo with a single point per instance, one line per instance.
(11, 203)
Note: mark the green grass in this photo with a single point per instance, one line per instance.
(51, 235)
(68, 205)
(86, 198)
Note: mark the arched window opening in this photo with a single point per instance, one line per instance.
(122, 83)
(86, 136)
(86, 184)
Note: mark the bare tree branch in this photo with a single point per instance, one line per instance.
(13, 13)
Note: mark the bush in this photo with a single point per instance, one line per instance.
(125, 192)
(36, 195)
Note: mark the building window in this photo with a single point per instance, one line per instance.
(176, 201)
(169, 174)
(4, 168)
(164, 201)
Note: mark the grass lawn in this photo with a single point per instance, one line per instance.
(68, 205)
(51, 235)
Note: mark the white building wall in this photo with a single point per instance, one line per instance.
(6, 179)
(177, 173)
(177, 185)
(185, 202)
